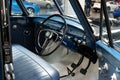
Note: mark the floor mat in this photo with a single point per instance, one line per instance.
(63, 58)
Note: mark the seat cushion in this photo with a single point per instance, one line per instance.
(29, 66)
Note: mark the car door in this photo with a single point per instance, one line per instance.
(107, 46)
(108, 49)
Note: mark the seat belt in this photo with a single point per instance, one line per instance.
(5, 43)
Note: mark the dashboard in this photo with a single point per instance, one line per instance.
(74, 39)
(53, 25)
(74, 33)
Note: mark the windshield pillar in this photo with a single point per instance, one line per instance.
(57, 5)
(84, 22)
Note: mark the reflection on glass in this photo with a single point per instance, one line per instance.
(32, 8)
(113, 11)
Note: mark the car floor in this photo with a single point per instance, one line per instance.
(63, 58)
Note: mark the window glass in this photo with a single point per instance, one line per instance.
(113, 11)
(114, 21)
(32, 8)
(49, 7)
(42, 7)
(15, 9)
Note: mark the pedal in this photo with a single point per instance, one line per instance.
(83, 71)
(73, 65)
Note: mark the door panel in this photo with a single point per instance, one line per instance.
(108, 59)
(22, 31)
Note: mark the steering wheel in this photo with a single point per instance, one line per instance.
(48, 40)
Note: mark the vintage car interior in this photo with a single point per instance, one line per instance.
(58, 44)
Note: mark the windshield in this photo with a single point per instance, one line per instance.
(44, 7)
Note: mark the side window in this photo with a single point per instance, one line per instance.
(15, 9)
(114, 22)
(113, 10)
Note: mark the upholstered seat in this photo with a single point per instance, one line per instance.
(29, 66)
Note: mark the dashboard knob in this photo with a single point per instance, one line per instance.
(83, 42)
(75, 39)
(68, 37)
(79, 41)
(14, 27)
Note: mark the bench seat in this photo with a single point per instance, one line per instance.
(29, 66)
